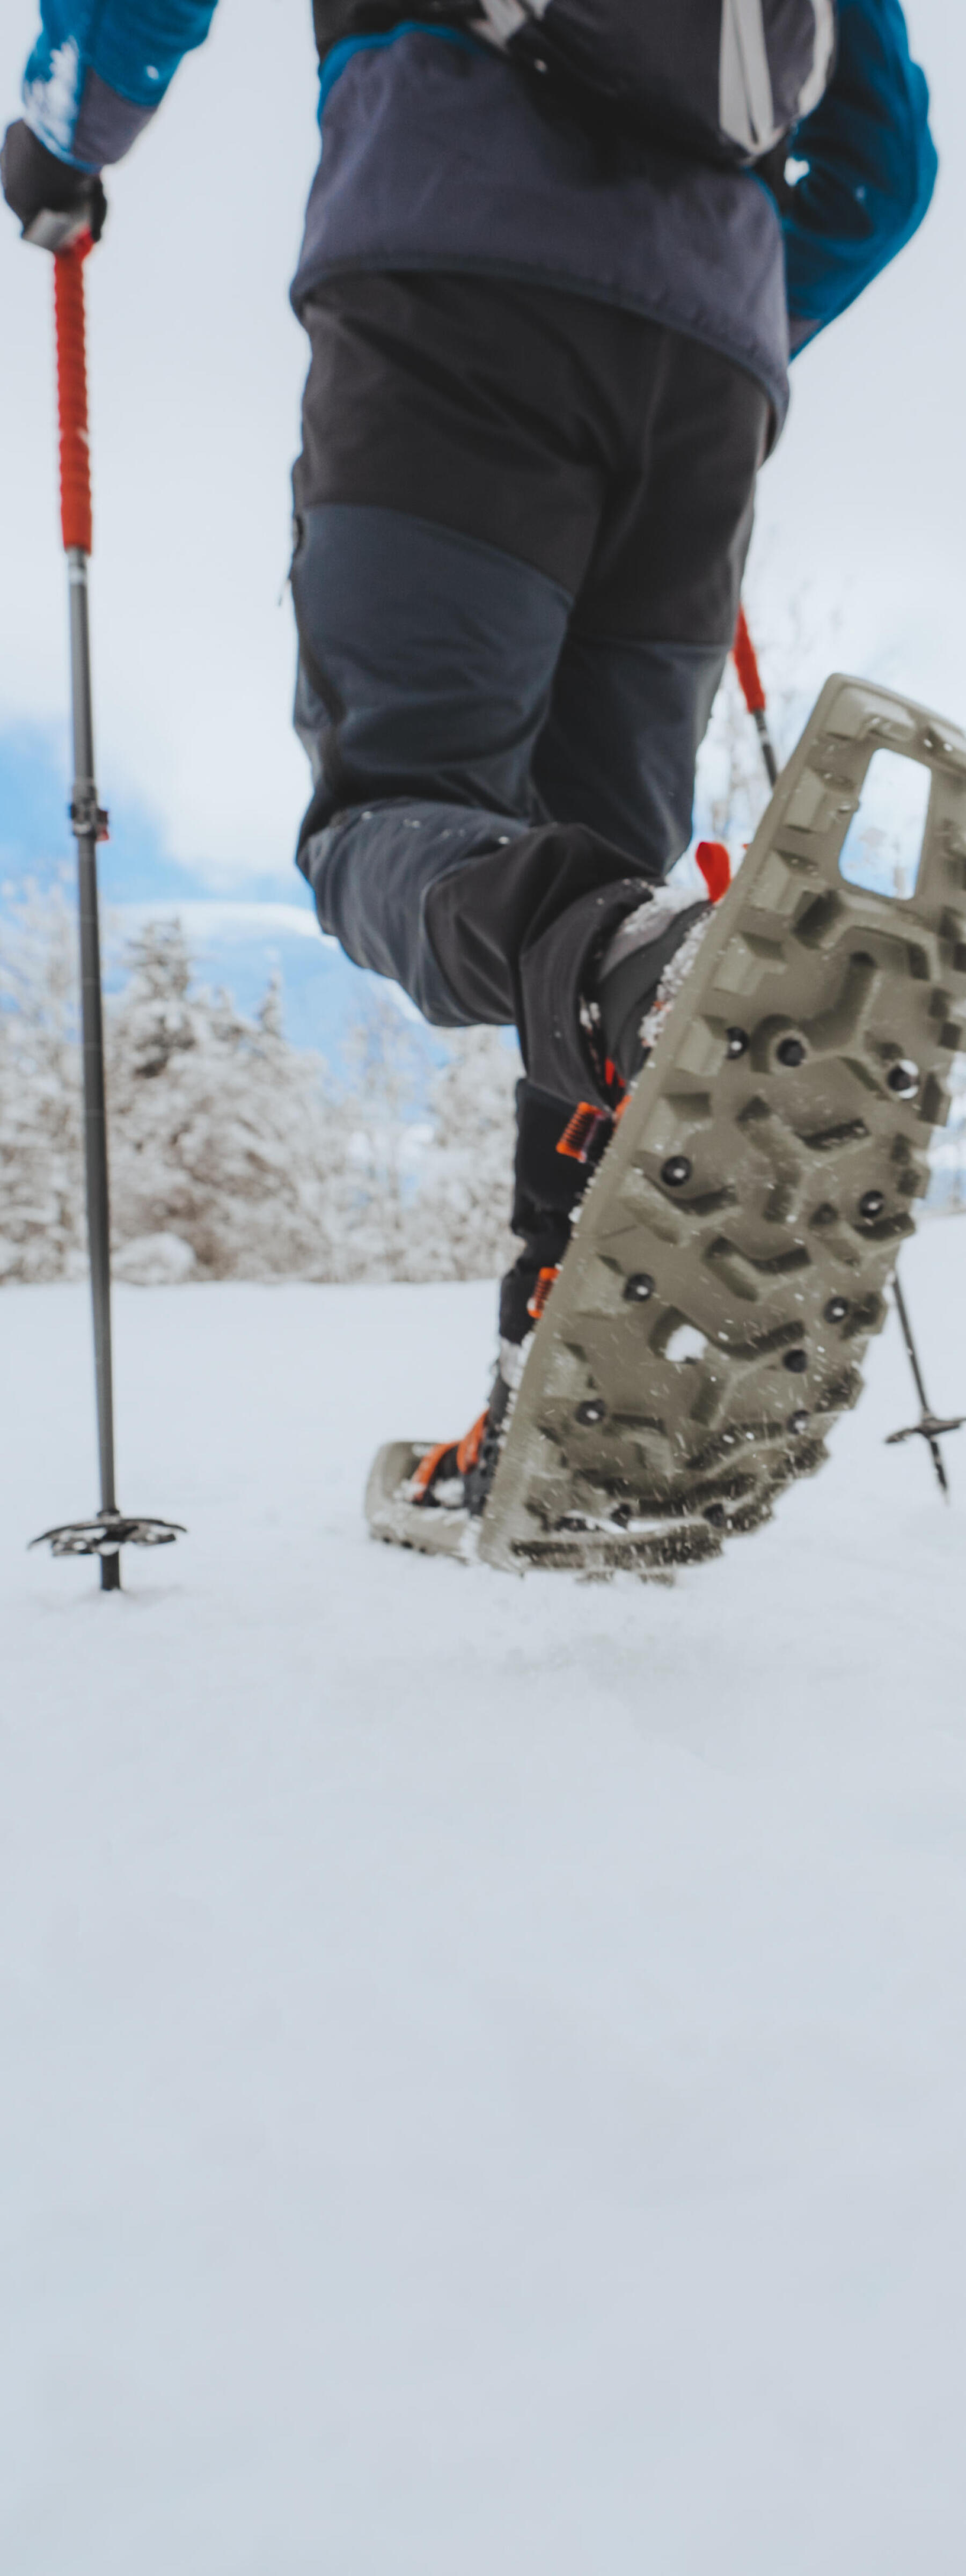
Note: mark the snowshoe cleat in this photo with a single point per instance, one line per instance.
(732, 1252)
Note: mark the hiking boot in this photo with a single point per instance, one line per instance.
(558, 1150)
(456, 1475)
(641, 970)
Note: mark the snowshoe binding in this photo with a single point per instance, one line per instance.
(431, 1497)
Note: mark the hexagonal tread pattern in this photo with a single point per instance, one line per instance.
(733, 1252)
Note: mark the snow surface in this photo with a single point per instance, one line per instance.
(483, 2060)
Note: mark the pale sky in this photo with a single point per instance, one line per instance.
(196, 373)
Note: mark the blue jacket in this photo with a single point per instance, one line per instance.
(509, 189)
(100, 68)
(871, 168)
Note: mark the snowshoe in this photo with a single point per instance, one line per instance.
(730, 1258)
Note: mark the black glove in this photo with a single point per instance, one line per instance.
(54, 202)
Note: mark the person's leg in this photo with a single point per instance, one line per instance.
(467, 446)
(646, 646)
(457, 449)
(425, 666)
(653, 622)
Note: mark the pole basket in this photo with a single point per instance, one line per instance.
(105, 1532)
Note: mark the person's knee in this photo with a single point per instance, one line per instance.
(373, 868)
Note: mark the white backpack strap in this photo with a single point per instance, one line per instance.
(822, 59)
(746, 101)
(746, 106)
(499, 20)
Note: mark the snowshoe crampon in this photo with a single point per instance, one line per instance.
(732, 1254)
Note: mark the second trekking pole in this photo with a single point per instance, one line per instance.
(90, 826)
(107, 1530)
(746, 665)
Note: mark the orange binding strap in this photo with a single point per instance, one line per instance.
(471, 1444)
(536, 1303)
(463, 1454)
(428, 1469)
(579, 1131)
(75, 463)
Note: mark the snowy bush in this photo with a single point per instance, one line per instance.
(233, 1155)
(466, 1182)
(430, 1150)
(41, 1211)
(219, 1134)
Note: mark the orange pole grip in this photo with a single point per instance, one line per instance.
(75, 462)
(746, 665)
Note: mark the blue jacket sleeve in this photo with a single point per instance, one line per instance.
(101, 67)
(871, 168)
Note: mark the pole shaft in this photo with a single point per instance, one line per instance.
(935, 1451)
(767, 746)
(911, 1352)
(92, 1034)
(76, 529)
(746, 665)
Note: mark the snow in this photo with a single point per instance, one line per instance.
(483, 2060)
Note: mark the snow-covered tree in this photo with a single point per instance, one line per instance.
(466, 1179)
(429, 1148)
(381, 1130)
(233, 1154)
(41, 1209)
(221, 1135)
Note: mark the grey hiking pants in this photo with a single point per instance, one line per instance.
(521, 523)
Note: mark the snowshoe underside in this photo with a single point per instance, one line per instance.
(731, 1257)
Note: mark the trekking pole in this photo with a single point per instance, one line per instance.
(746, 665)
(930, 1426)
(108, 1530)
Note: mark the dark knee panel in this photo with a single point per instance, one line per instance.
(427, 660)
(619, 748)
(372, 870)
